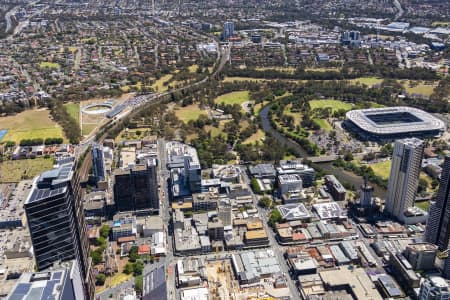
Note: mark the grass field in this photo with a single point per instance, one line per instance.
(257, 107)
(30, 124)
(258, 136)
(87, 128)
(193, 68)
(323, 124)
(296, 115)
(323, 69)
(190, 112)
(74, 110)
(369, 81)
(382, 169)
(439, 23)
(240, 79)
(334, 104)
(131, 134)
(50, 65)
(424, 205)
(419, 88)
(233, 98)
(159, 84)
(17, 170)
(289, 70)
(376, 105)
(113, 281)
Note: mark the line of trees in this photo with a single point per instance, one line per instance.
(39, 141)
(70, 126)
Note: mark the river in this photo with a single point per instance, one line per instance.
(328, 167)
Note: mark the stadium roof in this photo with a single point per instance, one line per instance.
(419, 120)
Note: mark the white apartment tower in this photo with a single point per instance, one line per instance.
(404, 176)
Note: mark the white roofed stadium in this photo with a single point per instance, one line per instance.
(392, 123)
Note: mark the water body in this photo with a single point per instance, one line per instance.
(327, 167)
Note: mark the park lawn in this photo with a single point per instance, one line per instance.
(119, 278)
(50, 65)
(87, 128)
(289, 70)
(30, 124)
(191, 137)
(74, 110)
(131, 134)
(241, 79)
(258, 136)
(190, 112)
(113, 281)
(421, 88)
(193, 68)
(159, 86)
(215, 131)
(323, 123)
(369, 81)
(17, 170)
(289, 157)
(296, 115)
(376, 105)
(440, 23)
(126, 88)
(333, 104)
(233, 98)
(424, 205)
(257, 107)
(382, 169)
(323, 69)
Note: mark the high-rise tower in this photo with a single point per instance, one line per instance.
(56, 222)
(98, 162)
(136, 188)
(404, 176)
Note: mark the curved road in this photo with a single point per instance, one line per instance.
(328, 168)
(399, 8)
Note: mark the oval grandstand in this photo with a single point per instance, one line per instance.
(102, 108)
(392, 123)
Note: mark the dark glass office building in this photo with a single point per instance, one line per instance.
(56, 222)
(136, 189)
(438, 225)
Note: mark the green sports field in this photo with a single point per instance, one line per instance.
(233, 98)
(333, 104)
(323, 124)
(190, 112)
(74, 110)
(30, 124)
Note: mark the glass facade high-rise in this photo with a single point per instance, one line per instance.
(228, 30)
(438, 225)
(136, 188)
(98, 162)
(56, 222)
(404, 176)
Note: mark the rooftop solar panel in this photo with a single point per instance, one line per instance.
(57, 275)
(22, 288)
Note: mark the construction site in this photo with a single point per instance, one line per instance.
(244, 276)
